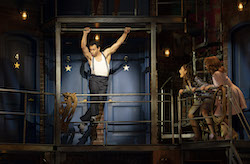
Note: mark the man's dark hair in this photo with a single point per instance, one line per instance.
(93, 42)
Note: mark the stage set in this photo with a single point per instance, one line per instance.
(128, 81)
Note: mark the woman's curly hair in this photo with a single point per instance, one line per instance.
(213, 64)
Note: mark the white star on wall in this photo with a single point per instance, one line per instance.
(126, 68)
(68, 68)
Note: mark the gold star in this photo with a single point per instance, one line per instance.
(68, 68)
(126, 68)
(17, 65)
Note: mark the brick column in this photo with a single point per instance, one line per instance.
(100, 128)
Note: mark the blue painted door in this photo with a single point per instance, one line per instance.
(133, 80)
(241, 63)
(241, 60)
(21, 49)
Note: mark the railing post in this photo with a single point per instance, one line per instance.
(162, 110)
(172, 114)
(24, 118)
(58, 81)
(154, 87)
(229, 95)
(179, 118)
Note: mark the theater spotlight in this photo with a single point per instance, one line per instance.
(167, 52)
(97, 37)
(24, 15)
(241, 4)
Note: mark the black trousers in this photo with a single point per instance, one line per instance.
(97, 85)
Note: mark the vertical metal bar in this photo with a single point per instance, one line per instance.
(54, 130)
(229, 94)
(205, 22)
(239, 65)
(136, 8)
(230, 155)
(196, 10)
(56, 8)
(194, 57)
(221, 25)
(24, 119)
(154, 86)
(172, 114)
(179, 118)
(58, 81)
(156, 7)
(162, 113)
(182, 8)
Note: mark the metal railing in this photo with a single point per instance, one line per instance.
(231, 106)
(135, 122)
(25, 113)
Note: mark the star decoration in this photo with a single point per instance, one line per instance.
(126, 68)
(68, 68)
(17, 65)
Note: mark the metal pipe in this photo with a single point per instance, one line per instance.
(90, 102)
(24, 119)
(114, 94)
(172, 115)
(58, 81)
(229, 95)
(65, 29)
(236, 154)
(156, 7)
(55, 106)
(23, 91)
(162, 108)
(242, 122)
(21, 113)
(82, 102)
(179, 118)
(136, 8)
(194, 57)
(144, 121)
(154, 87)
(196, 118)
(12, 113)
(182, 8)
(127, 94)
(166, 83)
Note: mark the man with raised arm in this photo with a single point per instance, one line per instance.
(99, 64)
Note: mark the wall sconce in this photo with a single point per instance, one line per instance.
(97, 37)
(24, 15)
(167, 52)
(241, 4)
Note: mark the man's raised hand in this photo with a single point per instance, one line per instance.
(86, 30)
(127, 30)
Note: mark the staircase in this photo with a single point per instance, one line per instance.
(242, 151)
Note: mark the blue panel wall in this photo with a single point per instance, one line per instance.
(24, 78)
(241, 62)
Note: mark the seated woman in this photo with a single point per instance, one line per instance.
(213, 65)
(203, 103)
